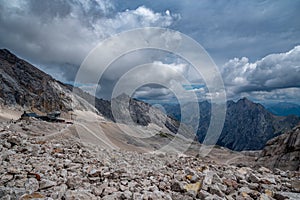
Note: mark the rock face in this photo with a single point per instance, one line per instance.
(248, 125)
(33, 167)
(283, 151)
(23, 84)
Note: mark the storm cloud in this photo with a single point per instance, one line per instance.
(229, 29)
(59, 34)
(254, 43)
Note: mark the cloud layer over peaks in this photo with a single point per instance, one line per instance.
(275, 71)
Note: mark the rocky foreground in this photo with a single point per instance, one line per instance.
(33, 167)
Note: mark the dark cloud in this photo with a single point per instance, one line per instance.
(151, 92)
(61, 33)
(229, 29)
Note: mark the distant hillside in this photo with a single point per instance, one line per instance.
(284, 109)
(248, 125)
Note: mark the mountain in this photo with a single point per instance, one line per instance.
(282, 151)
(24, 85)
(284, 108)
(248, 125)
(42, 160)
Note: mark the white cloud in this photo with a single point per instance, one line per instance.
(274, 76)
(129, 19)
(156, 81)
(171, 75)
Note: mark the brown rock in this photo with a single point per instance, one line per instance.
(32, 196)
(279, 196)
(195, 187)
(230, 183)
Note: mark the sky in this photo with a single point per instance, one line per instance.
(255, 44)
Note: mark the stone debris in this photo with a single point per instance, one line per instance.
(65, 168)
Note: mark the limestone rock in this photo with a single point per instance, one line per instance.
(283, 151)
(31, 185)
(89, 172)
(44, 184)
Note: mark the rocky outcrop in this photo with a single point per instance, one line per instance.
(65, 168)
(24, 85)
(282, 151)
(284, 108)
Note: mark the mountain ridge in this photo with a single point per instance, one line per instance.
(30, 88)
(248, 125)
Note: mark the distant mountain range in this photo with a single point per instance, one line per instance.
(248, 125)
(283, 108)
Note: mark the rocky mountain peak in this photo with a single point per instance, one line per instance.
(245, 100)
(253, 125)
(246, 104)
(123, 97)
(12, 64)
